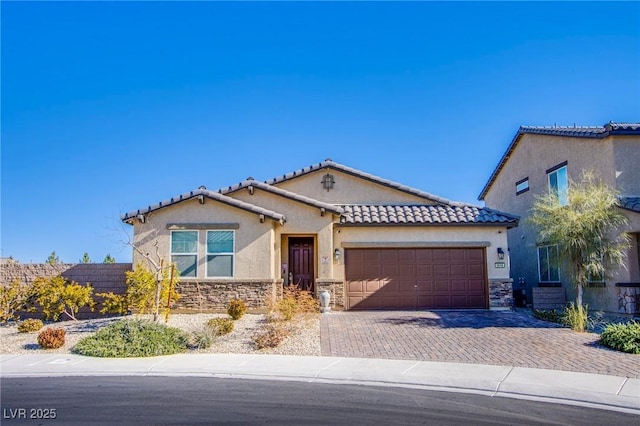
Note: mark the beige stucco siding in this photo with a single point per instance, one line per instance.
(534, 155)
(253, 240)
(302, 220)
(479, 236)
(348, 189)
(627, 164)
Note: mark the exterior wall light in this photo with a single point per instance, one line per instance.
(337, 254)
(500, 253)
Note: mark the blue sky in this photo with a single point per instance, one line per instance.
(109, 107)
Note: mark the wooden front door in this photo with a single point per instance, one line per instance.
(301, 262)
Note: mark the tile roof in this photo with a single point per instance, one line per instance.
(589, 132)
(422, 214)
(329, 164)
(630, 203)
(278, 217)
(283, 193)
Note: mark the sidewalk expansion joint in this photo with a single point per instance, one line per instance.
(622, 385)
(328, 366)
(150, 369)
(410, 368)
(246, 361)
(501, 381)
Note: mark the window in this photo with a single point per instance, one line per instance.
(220, 252)
(184, 252)
(522, 186)
(548, 264)
(558, 182)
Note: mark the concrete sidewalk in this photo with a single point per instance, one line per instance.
(593, 390)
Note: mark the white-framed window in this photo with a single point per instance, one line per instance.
(559, 182)
(548, 265)
(184, 252)
(522, 186)
(220, 253)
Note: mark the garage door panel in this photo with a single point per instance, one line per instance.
(476, 285)
(458, 256)
(440, 255)
(370, 255)
(424, 271)
(458, 285)
(354, 269)
(425, 286)
(373, 286)
(475, 255)
(458, 270)
(424, 256)
(406, 257)
(408, 278)
(425, 301)
(459, 300)
(389, 270)
(441, 270)
(441, 285)
(355, 286)
(476, 270)
(406, 271)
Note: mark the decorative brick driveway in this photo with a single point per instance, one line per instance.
(477, 337)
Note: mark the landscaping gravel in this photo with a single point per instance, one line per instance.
(304, 339)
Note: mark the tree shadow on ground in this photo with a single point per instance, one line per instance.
(464, 319)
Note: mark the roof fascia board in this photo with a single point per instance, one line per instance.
(278, 217)
(286, 194)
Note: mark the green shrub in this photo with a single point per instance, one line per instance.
(220, 326)
(57, 296)
(622, 337)
(296, 301)
(203, 338)
(271, 335)
(14, 297)
(576, 317)
(236, 309)
(133, 338)
(51, 338)
(287, 308)
(548, 315)
(113, 303)
(30, 326)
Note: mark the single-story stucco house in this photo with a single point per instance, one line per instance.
(372, 242)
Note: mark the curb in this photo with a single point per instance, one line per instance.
(550, 386)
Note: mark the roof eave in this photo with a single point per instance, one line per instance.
(261, 212)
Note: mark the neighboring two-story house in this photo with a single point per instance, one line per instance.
(540, 159)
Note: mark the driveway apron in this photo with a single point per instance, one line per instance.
(476, 337)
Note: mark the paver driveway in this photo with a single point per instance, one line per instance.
(477, 337)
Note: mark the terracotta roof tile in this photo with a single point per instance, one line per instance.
(630, 203)
(423, 214)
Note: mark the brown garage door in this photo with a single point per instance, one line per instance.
(448, 278)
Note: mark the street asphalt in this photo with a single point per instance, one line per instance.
(574, 388)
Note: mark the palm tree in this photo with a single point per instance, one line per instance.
(586, 230)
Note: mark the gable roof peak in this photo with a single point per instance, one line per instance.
(584, 132)
(330, 164)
